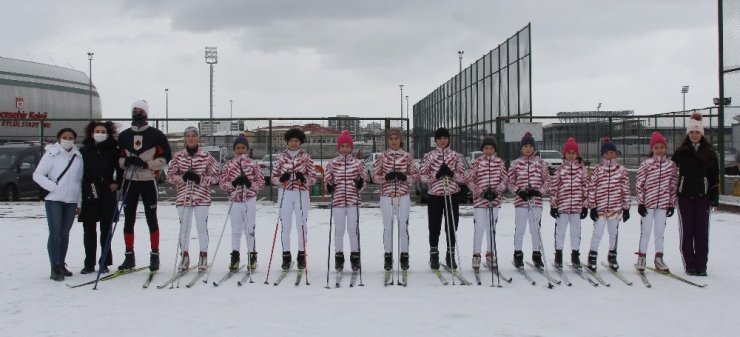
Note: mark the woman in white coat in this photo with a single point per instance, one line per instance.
(60, 173)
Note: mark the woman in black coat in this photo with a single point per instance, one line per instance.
(99, 184)
(698, 192)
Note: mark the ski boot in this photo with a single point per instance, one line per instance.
(559, 258)
(301, 258)
(491, 261)
(339, 261)
(476, 262)
(518, 259)
(434, 258)
(388, 261)
(203, 261)
(354, 260)
(56, 273)
(537, 259)
(592, 256)
(154, 260)
(252, 260)
(612, 259)
(640, 265)
(235, 260)
(660, 264)
(184, 261)
(286, 260)
(129, 261)
(575, 259)
(405, 261)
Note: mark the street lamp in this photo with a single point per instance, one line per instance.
(407, 111)
(401, 87)
(684, 91)
(459, 56)
(231, 109)
(598, 107)
(167, 110)
(90, 57)
(211, 59)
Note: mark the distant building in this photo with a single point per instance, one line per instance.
(344, 122)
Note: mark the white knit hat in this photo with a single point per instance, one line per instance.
(141, 104)
(695, 124)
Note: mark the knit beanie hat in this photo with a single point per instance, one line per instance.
(441, 132)
(141, 104)
(344, 138)
(527, 140)
(295, 133)
(571, 145)
(695, 123)
(657, 138)
(488, 141)
(394, 131)
(191, 129)
(607, 145)
(241, 139)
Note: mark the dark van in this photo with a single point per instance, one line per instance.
(17, 163)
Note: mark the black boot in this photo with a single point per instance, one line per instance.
(235, 260)
(612, 258)
(537, 259)
(450, 259)
(154, 260)
(354, 260)
(129, 261)
(575, 258)
(388, 261)
(518, 259)
(559, 258)
(339, 261)
(253, 260)
(87, 270)
(301, 259)
(405, 261)
(65, 271)
(287, 260)
(434, 258)
(56, 273)
(592, 255)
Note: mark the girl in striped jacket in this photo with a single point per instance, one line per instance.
(657, 180)
(193, 171)
(242, 179)
(442, 171)
(294, 173)
(395, 171)
(487, 180)
(345, 177)
(529, 179)
(568, 196)
(608, 198)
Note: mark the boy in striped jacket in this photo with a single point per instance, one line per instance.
(242, 179)
(193, 171)
(487, 180)
(657, 181)
(442, 171)
(294, 174)
(345, 177)
(528, 180)
(395, 171)
(568, 196)
(608, 198)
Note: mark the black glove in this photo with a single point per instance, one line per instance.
(642, 210)
(669, 212)
(554, 212)
(523, 194)
(489, 195)
(400, 176)
(584, 213)
(625, 215)
(133, 161)
(391, 176)
(192, 176)
(534, 193)
(241, 180)
(285, 177)
(594, 214)
(444, 171)
(330, 188)
(359, 183)
(300, 177)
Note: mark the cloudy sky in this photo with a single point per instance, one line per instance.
(327, 57)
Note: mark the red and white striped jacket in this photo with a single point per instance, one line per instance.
(609, 188)
(395, 161)
(342, 172)
(200, 163)
(657, 181)
(528, 172)
(234, 168)
(569, 188)
(486, 172)
(300, 163)
(433, 160)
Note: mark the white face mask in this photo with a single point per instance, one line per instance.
(99, 137)
(66, 144)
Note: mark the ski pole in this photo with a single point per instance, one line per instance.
(189, 220)
(539, 236)
(328, 247)
(359, 246)
(448, 220)
(274, 236)
(492, 242)
(304, 220)
(223, 228)
(398, 240)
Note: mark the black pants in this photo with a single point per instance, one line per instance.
(436, 208)
(90, 237)
(148, 192)
(694, 222)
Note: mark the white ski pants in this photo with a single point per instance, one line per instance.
(654, 220)
(482, 227)
(294, 204)
(522, 215)
(612, 225)
(561, 226)
(345, 218)
(390, 207)
(243, 215)
(186, 223)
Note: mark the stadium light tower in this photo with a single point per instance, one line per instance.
(211, 59)
(167, 110)
(90, 58)
(401, 87)
(684, 91)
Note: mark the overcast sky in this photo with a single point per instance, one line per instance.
(327, 57)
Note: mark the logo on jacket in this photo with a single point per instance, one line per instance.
(138, 140)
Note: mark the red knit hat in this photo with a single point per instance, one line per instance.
(657, 138)
(571, 145)
(345, 138)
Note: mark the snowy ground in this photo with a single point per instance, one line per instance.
(33, 305)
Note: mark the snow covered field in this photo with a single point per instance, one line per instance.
(33, 305)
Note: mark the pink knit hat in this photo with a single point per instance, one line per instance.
(571, 145)
(657, 138)
(345, 138)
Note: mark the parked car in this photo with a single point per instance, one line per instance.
(553, 159)
(17, 163)
(421, 188)
(265, 166)
(474, 155)
(369, 160)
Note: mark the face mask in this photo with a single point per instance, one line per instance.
(138, 120)
(99, 137)
(66, 144)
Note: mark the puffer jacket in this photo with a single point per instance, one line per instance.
(52, 164)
